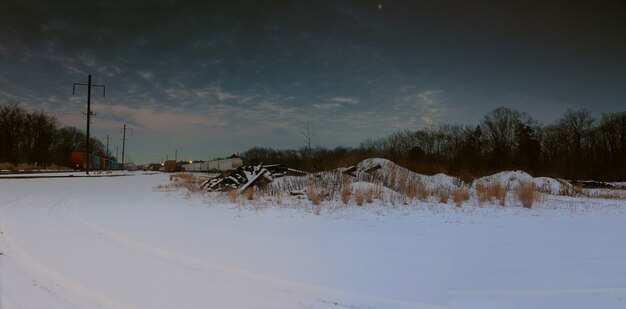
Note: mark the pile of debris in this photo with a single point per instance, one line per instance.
(245, 177)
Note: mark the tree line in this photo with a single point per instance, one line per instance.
(38, 139)
(576, 146)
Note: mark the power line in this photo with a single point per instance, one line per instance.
(89, 85)
(124, 142)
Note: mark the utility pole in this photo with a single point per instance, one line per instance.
(176, 155)
(89, 85)
(124, 143)
(107, 153)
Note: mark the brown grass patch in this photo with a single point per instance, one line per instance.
(444, 195)
(186, 180)
(490, 192)
(249, 193)
(421, 190)
(481, 193)
(460, 195)
(313, 195)
(345, 190)
(369, 195)
(359, 197)
(378, 192)
(527, 194)
(232, 196)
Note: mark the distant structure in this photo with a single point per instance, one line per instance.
(215, 165)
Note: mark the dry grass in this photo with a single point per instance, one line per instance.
(279, 197)
(421, 190)
(378, 192)
(414, 189)
(369, 195)
(391, 178)
(572, 191)
(359, 197)
(502, 197)
(481, 193)
(527, 194)
(444, 195)
(249, 193)
(345, 190)
(232, 196)
(187, 181)
(460, 195)
(313, 195)
(490, 192)
(409, 190)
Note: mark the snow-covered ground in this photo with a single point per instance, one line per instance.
(125, 242)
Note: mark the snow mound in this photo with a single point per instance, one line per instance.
(391, 174)
(511, 180)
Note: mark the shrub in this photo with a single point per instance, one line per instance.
(527, 194)
(359, 197)
(378, 192)
(460, 195)
(444, 195)
(502, 196)
(249, 193)
(573, 191)
(490, 192)
(345, 191)
(481, 193)
(232, 196)
(313, 195)
(421, 190)
(188, 181)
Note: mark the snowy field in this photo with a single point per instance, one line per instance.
(121, 242)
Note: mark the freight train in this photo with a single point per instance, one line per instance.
(78, 161)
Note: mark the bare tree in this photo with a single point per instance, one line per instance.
(12, 118)
(499, 130)
(308, 136)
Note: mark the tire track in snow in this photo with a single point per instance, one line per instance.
(241, 277)
(64, 221)
(24, 264)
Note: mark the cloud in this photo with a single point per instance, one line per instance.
(154, 119)
(346, 100)
(147, 75)
(421, 107)
(431, 105)
(335, 103)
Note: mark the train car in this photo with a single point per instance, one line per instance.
(214, 165)
(77, 160)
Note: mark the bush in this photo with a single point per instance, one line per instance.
(313, 195)
(527, 194)
(460, 195)
(359, 197)
(249, 193)
(444, 195)
(490, 192)
(345, 190)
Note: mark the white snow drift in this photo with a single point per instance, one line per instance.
(117, 242)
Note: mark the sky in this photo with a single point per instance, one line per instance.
(214, 78)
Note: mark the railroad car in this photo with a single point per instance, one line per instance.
(77, 159)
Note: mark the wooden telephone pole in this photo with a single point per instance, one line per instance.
(124, 143)
(89, 113)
